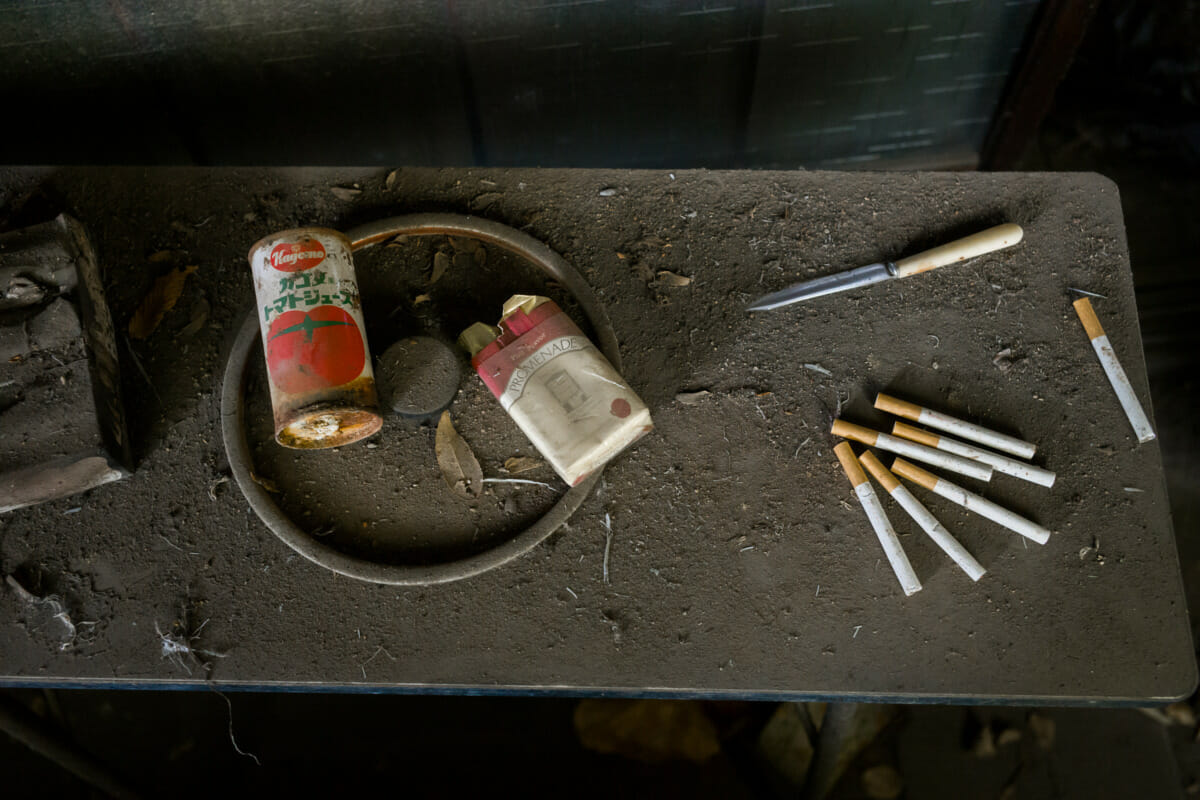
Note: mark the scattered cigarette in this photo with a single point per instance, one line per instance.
(971, 502)
(921, 515)
(879, 521)
(1002, 464)
(958, 427)
(917, 452)
(1114, 371)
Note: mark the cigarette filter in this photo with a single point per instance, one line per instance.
(1003, 464)
(917, 452)
(879, 521)
(1114, 371)
(971, 502)
(900, 493)
(958, 427)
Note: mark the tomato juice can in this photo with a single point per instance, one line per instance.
(318, 362)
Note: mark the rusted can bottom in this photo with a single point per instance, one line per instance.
(326, 425)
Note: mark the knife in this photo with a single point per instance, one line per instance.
(988, 241)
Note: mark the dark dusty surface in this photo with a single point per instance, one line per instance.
(689, 607)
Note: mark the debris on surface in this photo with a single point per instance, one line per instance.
(607, 192)
(50, 605)
(673, 280)
(441, 263)
(421, 298)
(265, 483)
(460, 469)
(818, 368)
(524, 481)
(518, 464)
(607, 544)
(180, 649)
(1005, 359)
(161, 298)
(215, 485)
(345, 193)
(393, 177)
(649, 731)
(691, 398)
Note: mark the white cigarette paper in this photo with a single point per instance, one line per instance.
(879, 521)
(1001, 464)
(1113, 369)
(918, 512)
(928, 522)
(888, 539)
(961, 428)
(917, 452)
(972, 502)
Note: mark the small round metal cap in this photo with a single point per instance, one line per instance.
(418, 376)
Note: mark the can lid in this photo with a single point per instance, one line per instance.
(522, 302)
(477, 337)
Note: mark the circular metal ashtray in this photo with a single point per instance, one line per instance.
(421, 571)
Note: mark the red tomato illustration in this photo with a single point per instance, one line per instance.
(314, 349)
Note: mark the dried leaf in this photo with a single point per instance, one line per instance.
(1181, 714)
(158, 301)
(518, 464)
(162, 256)
(460, 468)
(673, 280)
(1042, 728)
(464, 244)
(441, 263)
(421, 298)
(345, 193)
(1008, 736)
(399, 241)
(392, 178)
(882, 782)
(691, 398)
(199, 316)
(266, 483)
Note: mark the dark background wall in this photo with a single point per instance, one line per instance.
(720, 83)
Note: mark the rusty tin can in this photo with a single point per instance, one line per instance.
(318, 363)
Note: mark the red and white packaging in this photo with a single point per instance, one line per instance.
(576, 409)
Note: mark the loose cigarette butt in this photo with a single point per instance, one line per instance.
(917, 452)
(1115, 372)
(888, 539)
(920, 514)
(1002, 464)
(894, 405)
(972, 502)
(1087, 315)
(848, 430)
(881, 473)
(849, 463)
(956, 426)
(915, 434)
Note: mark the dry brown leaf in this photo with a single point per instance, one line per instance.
(421, 298)
(266, 483)
(199, 316)
(345, 193)
(518, 464)
(441, 263)
(882, 782)
(161, 298)
(390, 182)
(672, 279)
(460, 468)
(1043, 729)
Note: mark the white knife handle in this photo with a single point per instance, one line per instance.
(988, 241)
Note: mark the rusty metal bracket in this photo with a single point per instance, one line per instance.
(237, 446)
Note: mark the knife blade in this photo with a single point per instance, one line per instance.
(987, 241)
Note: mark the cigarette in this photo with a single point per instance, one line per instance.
(971, 502)
(1114, 371)
(958, 427)
(908, 501)
(879, 521)
(1003, 464)
(917, 452)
